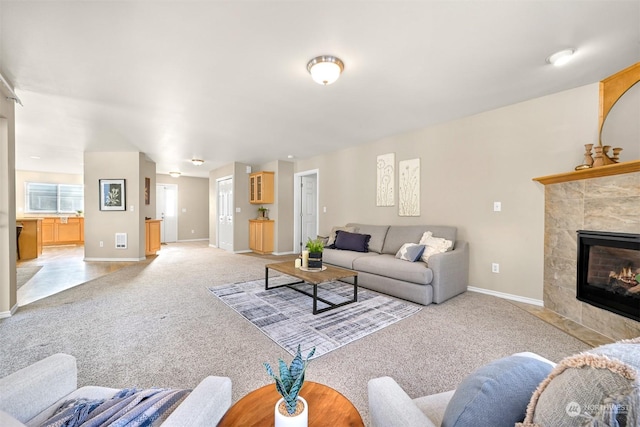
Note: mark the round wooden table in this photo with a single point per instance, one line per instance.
(327, 407)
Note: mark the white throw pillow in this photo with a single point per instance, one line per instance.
(434, 245)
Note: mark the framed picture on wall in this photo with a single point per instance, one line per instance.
(147, 191)
(113, 195)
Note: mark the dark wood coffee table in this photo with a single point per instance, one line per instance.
(327, 407)
(314, 278)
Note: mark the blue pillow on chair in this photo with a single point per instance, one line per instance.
(496, 394)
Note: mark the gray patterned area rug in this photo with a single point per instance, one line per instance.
(285, 315)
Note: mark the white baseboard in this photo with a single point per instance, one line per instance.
(284, 253)
(5, 314)
(511, 297)
(116, 259)
(211, 245)
(244, 251)
(193, 240)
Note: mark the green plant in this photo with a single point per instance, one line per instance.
(262, 209)
(315, 245)
(291, 378)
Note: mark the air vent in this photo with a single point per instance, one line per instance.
(121, 240)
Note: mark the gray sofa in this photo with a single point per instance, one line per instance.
(30, 396)
(446, 276)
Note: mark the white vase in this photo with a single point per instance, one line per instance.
(300, 420)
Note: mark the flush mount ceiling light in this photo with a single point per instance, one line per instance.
(175, 174)
(560, 58)
(197, 162)
(325, 69)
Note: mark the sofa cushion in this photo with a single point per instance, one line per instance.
(389, 266)
(377, 232)
(410, 252)
(496, 393)
(344, 259)
(352, 241)
(598, 385)
(398, 235)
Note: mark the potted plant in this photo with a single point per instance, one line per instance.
(262, 212)
(291, 410)
(315, 248)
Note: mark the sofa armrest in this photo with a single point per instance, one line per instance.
(450, 272)
(391, 406)
(31, 390)
(205, 405)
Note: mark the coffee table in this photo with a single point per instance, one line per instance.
(327, 407)
(314, 278)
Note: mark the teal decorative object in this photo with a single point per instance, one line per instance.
(291, 378)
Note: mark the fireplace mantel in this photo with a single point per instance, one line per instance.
(608, 170)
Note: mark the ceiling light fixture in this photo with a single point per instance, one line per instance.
(325, 69)
(175, 174)
(560, 58)
(197, 162)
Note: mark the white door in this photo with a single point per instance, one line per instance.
(225, 214)
(306, 209)
(167, 211)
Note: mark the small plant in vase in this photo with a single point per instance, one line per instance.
(262, 212)
(291, 410)
(315, 248)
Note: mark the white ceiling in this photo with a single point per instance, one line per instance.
(227, 81)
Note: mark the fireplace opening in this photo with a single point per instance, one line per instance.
(609, 271)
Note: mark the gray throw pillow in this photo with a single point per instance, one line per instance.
(496, 394)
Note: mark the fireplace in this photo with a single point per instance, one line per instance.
(609, 271)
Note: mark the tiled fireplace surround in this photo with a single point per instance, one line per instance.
(610, 203)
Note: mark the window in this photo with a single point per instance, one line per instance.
(53, 198)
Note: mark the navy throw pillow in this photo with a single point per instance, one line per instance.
(352, 241)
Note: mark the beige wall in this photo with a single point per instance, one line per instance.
(23, 177)
(466, 165)
(281, 211)
(193, 206)
(101, 226)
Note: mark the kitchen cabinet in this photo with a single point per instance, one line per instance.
(30, 240)
(261, 235)
(152, 236)
(62, 230)
(261, 187)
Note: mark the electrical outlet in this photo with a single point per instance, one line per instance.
(101, 244)
(497, 206)
(495, 267)
(193, 231)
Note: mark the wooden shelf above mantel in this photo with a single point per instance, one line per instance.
(608, 170)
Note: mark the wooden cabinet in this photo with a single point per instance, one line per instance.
(261, 235)
(152, 233)
(261, 187)
(62, 230)
(30, 241)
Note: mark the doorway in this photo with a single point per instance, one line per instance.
(305, 201)
(167, 211)
(225, 213)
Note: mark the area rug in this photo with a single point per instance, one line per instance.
(285, 315)
(24, 274)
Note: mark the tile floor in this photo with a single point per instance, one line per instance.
(64, 267)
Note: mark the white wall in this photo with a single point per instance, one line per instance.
(466, 165)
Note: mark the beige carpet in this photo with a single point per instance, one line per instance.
(155, 323)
